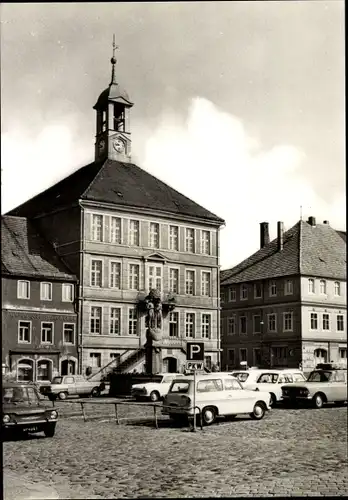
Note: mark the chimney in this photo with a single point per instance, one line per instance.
(326, 222)
(264, 234)
(280, 235)
(311, 221)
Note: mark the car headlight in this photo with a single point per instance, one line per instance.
(6, 419)
(53, 414)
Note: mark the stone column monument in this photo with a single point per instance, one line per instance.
(153, 351)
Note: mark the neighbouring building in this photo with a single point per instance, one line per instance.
(123, 232)
(285, 305)
(38, 305)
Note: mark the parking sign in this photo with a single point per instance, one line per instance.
(194, 351)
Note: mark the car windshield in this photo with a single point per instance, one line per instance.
(268, 378)
(180, 387)
(57, 380)
(241, 376)
(167, 380)
(26, 396)
(320, 376)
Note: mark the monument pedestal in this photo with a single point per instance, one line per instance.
(153, 357)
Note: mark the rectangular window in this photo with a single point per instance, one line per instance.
(279, 353)
(173, 324)
(132, 321)
(232, 296)
(47, 333)
(95, 359)
(343, 352)
(154, 235)
(257, 356)
(115, 230)
(68, 333)
(96, 272)
(23, 290)
(97, 227)
(205, 242)
(243, 354)
(207, 362)
(206, 326)
(206, 284)
(231, 325)
(223, 294)
(174, 238)
(134, 232)
(272, 322)
(189, 240)
(46, 291)
(337, 287)
(322, 287)
(243, 292)
(95, 324)
(326, 322)
(174, 280)
(134, 276)
(67, 292)
(190, 325)
(314, 321)
(258, 290)
(115, 321)
(257, 324)
(289, 287)
(190, 283)
(243, 325)
(115, 275)
(231, 357)
(272, 289)
(24, 332)
(311, 285)
(155, 277)
(340, 323)
(287, 322)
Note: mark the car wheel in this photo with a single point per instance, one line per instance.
(259, 411)
(50, 430)
(63, 395)
(154, 396)
(318, 401)
(95, 392)
(209, 415)
(273, 400)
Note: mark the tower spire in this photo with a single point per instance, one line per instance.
(113, 60)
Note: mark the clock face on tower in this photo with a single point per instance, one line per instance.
(118, 145)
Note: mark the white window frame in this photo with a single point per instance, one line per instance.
(130, 281)
(342, 350)
(311, 285)
(100, 308)
(171, 239)
(119, 319)
(240, 325)
(41, 291)
(207, 273)
(177, 323)
(95, 355)
(18, 289)
(323, 286)
(288, 290)
(272, 284)
(189, 239)
(240, 354)
(74, 330)
(194, 282)
(72, 288)
(177, 270)
(132, 321)
(203, 324)
(340, 316)
(316, 319)
(256, 316)
(118, 263)
(45, 342)
(94, 228)
(231, 320)
(96, 272)
(255, 289)
(232, 294)
(155, 278)
(243, 288)
(322, 322)
(131, 233)
(111, 232)
(206, 231)
(18, 331)
(188, 324)
(292, 321)
(154, 236)
(337, 289)
(275, 322)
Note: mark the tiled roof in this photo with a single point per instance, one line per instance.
(307, 250)
(123, 184)
(24, 252)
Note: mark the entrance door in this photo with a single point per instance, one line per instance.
(170, 365)
(68, 367)
(25, 370)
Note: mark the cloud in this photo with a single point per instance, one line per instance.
(211, 158)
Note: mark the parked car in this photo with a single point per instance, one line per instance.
(24, 412)
(324, 385)
(155, 389)
(217, 394)
(269, 380)
(71, 385)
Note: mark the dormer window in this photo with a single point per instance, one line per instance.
(243, 292)
(323, 287)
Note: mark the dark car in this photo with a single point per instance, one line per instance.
(24, 412)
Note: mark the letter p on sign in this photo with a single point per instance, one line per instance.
(195, 351)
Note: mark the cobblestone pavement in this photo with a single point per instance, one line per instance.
(291, 452)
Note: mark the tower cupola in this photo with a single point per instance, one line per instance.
(113, 137)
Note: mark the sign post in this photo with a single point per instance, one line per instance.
(194, 361)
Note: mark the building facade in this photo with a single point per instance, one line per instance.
(285, 306)
(124, 232)
(38, 306)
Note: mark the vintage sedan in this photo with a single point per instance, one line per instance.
(24, 412)
(155, 389)
(71, 385)
(324, 385)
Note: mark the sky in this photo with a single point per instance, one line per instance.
(237, 105)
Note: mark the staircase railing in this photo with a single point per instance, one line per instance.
(130, 360)
(104, 370)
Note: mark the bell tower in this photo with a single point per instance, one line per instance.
(113, 137)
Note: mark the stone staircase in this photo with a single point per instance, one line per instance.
(119, 365)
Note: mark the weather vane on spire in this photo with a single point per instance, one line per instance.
(113, 59)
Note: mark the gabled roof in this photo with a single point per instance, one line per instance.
(122, 184)
(24, 252)
(307, 250)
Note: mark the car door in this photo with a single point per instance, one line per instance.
(69, 382)
(238, 399)
(338, 387)
(210, 392)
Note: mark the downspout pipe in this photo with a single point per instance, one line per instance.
(80, 303)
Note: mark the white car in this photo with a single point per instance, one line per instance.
(153, 390)
(269, 380)
(217, 394)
